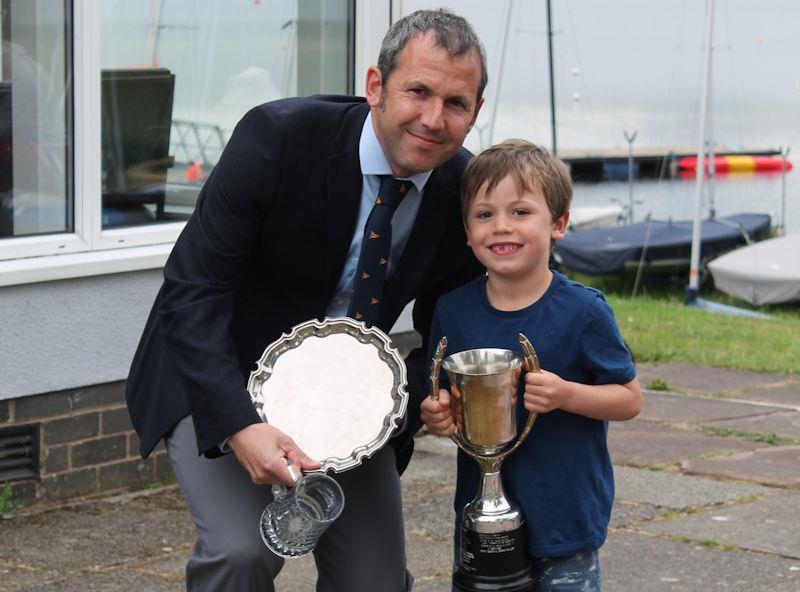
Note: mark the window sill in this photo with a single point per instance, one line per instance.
(75, 265)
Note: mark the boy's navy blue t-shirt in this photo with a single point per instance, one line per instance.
(561, 475)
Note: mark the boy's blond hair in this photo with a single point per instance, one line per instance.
(528, 165)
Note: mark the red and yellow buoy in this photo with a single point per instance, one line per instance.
(739, 163)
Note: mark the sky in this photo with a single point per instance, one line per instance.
(637, 65)
(620, 65)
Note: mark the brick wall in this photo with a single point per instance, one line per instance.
(86, 444)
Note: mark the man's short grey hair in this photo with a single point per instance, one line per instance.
(453, 34)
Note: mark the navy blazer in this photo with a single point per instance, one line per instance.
(264, 250)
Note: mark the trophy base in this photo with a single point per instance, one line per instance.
(520, 582)
(494, 561)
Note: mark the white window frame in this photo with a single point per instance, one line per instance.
(90, 250)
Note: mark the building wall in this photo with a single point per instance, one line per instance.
(71, 333)
(65, 350)
(86, 444)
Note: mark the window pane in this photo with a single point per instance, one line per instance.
(35, 118)
(179, 74)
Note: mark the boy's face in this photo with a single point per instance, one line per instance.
(509, 232)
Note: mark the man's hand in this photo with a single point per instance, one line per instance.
(545, 391)
(436, 415)
(263, 450)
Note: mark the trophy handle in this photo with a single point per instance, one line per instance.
(436, 367)
(532, 362)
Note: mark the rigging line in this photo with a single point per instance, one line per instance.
(671, 81)
(699, 80)
(582, 77)
(738, 86)
(643, 258)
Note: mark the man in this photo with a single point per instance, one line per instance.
(275, 240)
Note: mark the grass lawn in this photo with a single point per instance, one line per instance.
(660, 328)
(665, 330)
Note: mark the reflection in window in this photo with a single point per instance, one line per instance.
(35, 118)
(179, 74)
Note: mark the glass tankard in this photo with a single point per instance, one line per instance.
(295, 520)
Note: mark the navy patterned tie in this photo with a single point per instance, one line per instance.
(371, 271)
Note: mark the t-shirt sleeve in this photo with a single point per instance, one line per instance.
(605, 354)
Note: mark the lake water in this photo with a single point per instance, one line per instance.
(675, 199)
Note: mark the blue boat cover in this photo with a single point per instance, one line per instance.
(604, 251)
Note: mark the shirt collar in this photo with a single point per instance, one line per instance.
(373, 161)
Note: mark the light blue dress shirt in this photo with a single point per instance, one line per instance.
(373, 163)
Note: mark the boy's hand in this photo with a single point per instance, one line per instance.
(436, 415)
(544, 391)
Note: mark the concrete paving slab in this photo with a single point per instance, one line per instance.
(785, 425)
(439, 583)
(429, 561)
(633, 562)
(17, 579)
(644, 443)
(430, 515)
(627, 513)
(689, 377)
(297, 575)
(675, 491)
(769, 525)
(784, 393)
(97, 534)
(131, 543)
(679, 408)
(776, 465)
(170, 565)
(431, 564)
(114, 580)
(434, 458)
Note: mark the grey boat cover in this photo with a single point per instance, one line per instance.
(762, 273)
(604, 251)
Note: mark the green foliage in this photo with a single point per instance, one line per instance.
(670, 514)
(8, 506)
(709, 544)
(658, 384)
(770, 439)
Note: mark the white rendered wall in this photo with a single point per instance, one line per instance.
(72, 333)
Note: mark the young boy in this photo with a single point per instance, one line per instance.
(515, 203)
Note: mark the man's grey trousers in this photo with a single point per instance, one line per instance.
(363, 551)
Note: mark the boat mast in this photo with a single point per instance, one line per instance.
(552, 78)
(495, 96)
(694, 271)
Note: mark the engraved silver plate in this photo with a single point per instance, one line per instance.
(337, 388)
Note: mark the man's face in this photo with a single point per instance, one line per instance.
(425, 110)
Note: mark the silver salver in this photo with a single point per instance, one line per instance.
(337, 388)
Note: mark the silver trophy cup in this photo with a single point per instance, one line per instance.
(484, 385)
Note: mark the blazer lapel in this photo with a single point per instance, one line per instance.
(342, 196)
